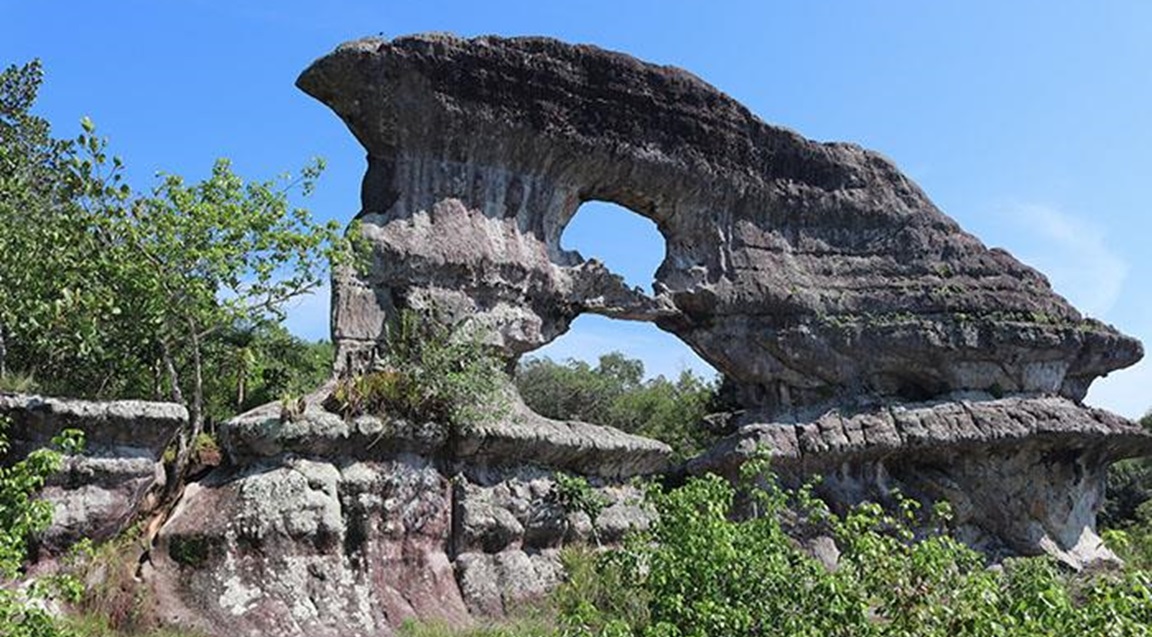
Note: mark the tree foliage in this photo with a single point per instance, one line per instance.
(1126, 515)
(110, 292)
(615, 393)
(257, 364)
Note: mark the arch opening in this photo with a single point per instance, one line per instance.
(618, 368)
(625, 374)
(629, 245)
(624, 241)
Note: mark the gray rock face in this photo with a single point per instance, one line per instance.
(1025, 476)
(100, 491)
(864, 331)
(298, 546)
(807, 273)
(324, 527)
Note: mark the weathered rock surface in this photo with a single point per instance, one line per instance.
(1024, 475)
(519, 437)
(808, 273)
(821, 282)
(101, 490)
(325, 527)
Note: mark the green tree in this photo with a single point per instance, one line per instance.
(258, 364)
(615, 393)
(51, 274)
(118, 293)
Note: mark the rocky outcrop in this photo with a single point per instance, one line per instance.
(517, 437)
(100, 491)
(1025, 476)
(868, 339)
(808, 273)
(323, 526)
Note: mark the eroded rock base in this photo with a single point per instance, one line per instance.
(101, 490)
(1024, 475)
(388, 522)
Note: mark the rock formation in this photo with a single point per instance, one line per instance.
(867, 336)
(808, 273)
(1024, 475)
(101, 490)
(332, 528)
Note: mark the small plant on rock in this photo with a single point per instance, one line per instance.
(573, 494)
(429, 370)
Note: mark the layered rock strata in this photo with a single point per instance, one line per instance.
(868, 338)
(1024, 476)
(808, 273)
(100, 491)
(323, 526)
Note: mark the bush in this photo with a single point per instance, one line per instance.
(428, 371)
(702, 571)
(21, 516)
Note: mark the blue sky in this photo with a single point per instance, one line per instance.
(1028, 122)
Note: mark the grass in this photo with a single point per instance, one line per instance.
(521, 627)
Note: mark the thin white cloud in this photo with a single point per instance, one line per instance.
(1073, 253)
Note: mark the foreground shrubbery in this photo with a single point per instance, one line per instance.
(21, 514)
(113, 608)
(698, 572)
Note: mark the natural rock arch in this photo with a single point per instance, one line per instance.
(808, 273)
(816, 276)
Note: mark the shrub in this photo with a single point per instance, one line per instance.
(701, 571)
(21, 516)
(428, 371)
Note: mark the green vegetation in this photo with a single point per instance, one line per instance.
(526, 627)
(704, 570)
(614, 393)
(573, 494)
(258, 364)
(125, 294)
(21, 515)
(111, 605)
(1127, 512)
(429, 370)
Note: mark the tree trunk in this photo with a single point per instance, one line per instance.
(176, 476)
(195, 409)
(241, 387)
